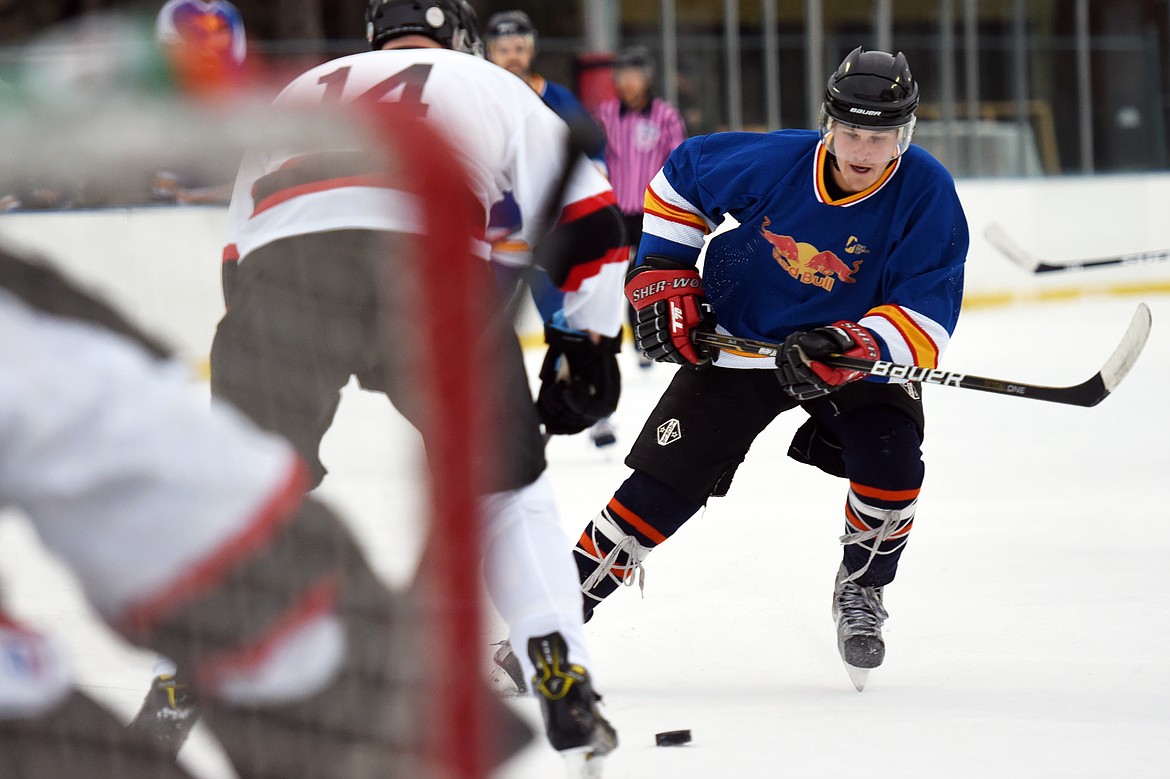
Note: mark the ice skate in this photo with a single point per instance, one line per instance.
(602, 434)
(859, 614)
(506, 676)
(574, 725)
(167, 715)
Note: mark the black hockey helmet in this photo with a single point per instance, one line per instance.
(507, 23)
(450, 22)
(872, 89)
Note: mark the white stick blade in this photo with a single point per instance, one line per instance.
(999, 238)
(1126, 354)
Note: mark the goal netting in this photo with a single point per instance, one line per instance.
(96, 144)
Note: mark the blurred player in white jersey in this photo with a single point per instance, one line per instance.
(304, 309)
(190, 534)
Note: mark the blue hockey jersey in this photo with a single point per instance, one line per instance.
(890, 257)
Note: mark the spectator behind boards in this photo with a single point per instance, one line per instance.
(641, 131)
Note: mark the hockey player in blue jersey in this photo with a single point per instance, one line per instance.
(850, 241)
(511, 43)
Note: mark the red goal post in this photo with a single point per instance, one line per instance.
(454, 299)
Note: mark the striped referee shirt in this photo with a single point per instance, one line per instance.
(637, 144)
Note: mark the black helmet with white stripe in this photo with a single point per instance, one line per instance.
(450, 22)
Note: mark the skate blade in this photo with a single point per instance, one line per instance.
(582, 763)
(857, 675)
(503, 685)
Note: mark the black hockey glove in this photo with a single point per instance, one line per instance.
(803, 378)
(669, 305)
(579, 381)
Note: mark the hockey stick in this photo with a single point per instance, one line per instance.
(999, 238)
(582, 136)
(550, 244)
(1088, 393)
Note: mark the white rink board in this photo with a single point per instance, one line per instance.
(162, 263)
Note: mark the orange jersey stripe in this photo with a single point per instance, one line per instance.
(880, 494)
(637, 522)
(510, 246)
(655, 205)
(922, 346)
(823, 191)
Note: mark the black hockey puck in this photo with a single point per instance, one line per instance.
(672, 738)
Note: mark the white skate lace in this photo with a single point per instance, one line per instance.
(609, 565)
(860, 610)
(892, 521)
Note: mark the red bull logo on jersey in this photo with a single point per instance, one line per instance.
(808, 264)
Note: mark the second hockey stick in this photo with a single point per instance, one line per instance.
(999, 238)
(1088, 393)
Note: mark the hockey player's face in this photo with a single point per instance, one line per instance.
(862, 155)
(632, 86)
(512, 53)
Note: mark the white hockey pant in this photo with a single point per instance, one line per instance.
(529, 570)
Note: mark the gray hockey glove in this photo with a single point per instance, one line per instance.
(579, 381)
(669, 305)
(797, 366)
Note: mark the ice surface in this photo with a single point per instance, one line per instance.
(1028, 632)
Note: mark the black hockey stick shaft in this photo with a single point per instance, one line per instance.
(1138, 258)
(1088, 393)
(999, 238)
(582, 136)
(549, 243)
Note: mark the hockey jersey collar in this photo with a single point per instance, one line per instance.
(822, 190)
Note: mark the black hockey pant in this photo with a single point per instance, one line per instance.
(701, 430)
